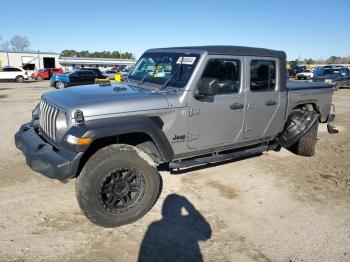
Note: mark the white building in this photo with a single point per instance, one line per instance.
(29, 60)
(68, 63)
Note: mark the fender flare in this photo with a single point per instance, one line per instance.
(109, 127)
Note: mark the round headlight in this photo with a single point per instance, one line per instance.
(61, 122)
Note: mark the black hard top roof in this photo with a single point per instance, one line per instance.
(227, 50)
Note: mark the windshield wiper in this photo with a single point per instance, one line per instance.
(178, 72)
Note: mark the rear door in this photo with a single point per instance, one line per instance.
(263, 111)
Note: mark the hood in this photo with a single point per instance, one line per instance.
(60, 77)
(96, 100)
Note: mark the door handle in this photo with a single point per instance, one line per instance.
(271, 103)
(236, 106)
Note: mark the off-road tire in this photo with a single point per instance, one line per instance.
(96, 171)
(19, 79)
(60, 85)
(305, 146)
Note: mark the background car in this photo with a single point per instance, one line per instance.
(293, 71)
(339, 76)
(46, 73)
(76, 77)
(13, 73)
(110, 74)
(306, 74)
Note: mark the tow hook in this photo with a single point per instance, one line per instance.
(330, 121)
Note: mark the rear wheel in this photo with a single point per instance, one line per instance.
(19, 79)
(305, 146)
(39, 78)
(118, 185)
(60, 85)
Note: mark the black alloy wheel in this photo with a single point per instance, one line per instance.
(122, 189)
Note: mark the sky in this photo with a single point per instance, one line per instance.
(303, 29)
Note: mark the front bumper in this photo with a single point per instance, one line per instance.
(43, 157)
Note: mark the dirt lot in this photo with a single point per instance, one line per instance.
(274, 207)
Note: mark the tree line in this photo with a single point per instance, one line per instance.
(102, 54)
(331, 60)
(21, 43)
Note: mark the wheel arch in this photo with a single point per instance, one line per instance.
(143, 132)
(311, 106)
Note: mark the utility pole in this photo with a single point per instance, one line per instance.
(39, 59)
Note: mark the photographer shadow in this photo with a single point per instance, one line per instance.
(175, 237)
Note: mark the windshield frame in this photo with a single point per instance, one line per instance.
(150, 79)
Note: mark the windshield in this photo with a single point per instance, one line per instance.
(172, 69)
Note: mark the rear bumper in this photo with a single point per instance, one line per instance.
(43, 158)
(330, 120)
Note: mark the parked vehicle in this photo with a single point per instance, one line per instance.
(339, 77)
(306, 74)
(13, 73)
(46, 73)
(110, 74)
(76, 77)
(97, 71)
(179, 107)
(293, 71)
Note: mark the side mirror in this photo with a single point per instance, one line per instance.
(207, 87)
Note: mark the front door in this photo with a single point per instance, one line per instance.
(218, 120)
(263, 108)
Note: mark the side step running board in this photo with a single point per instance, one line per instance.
(220, 157)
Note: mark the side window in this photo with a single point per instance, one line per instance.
(262, 75)
(227, 71)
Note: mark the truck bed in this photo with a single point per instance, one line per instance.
(319, 94)
(297, 85)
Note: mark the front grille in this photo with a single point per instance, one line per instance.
(47, 119)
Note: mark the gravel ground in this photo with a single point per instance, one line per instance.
(273, 207)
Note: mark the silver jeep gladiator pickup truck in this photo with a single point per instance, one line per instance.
(179, 107)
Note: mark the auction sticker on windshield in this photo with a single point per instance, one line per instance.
(186, 60)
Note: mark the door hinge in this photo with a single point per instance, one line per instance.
(192, 136)
(193, 111)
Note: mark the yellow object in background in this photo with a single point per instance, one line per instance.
(117, 78)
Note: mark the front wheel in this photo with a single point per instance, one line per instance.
(60, 85)
(118, 185)
(39, 78)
